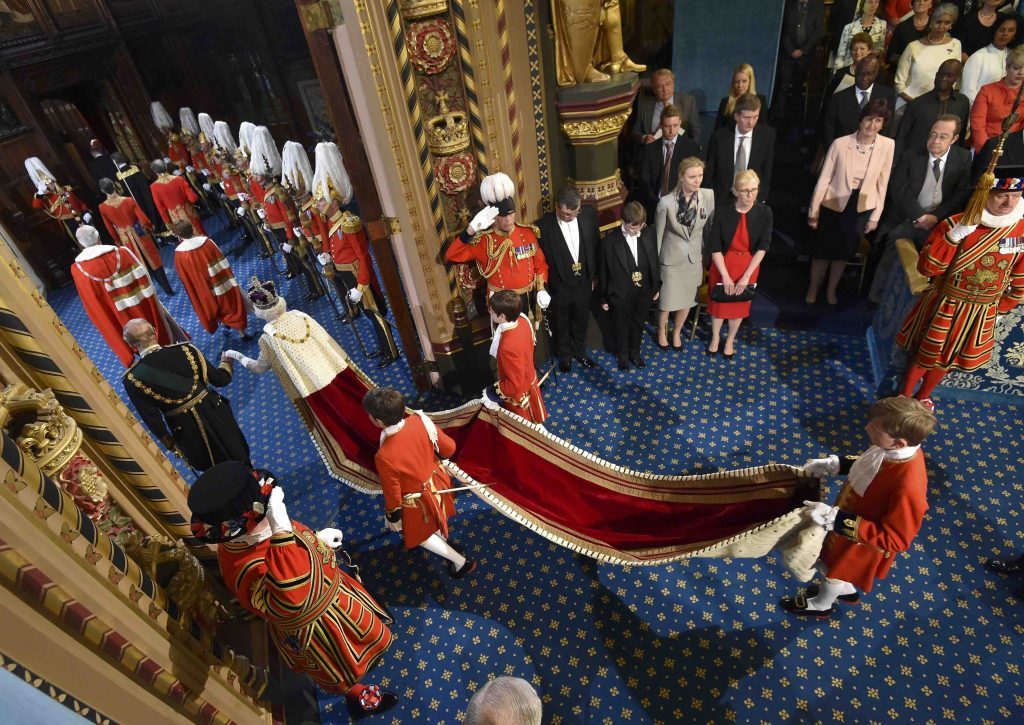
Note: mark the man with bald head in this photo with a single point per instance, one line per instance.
(842, 114)
(169, 386)
(943, 99)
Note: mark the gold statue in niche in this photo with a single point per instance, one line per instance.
(588, 41)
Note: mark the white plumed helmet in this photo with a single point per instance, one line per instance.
(245, 130)
(38, 172)
(188, 121)
(331, 179)
(295, 169)
(264, 158)
(206, 126)
(223, 138)
(161, 117)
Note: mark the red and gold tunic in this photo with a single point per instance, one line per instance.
(408, 464)
(512, 261)
(230, 180)
(349, 248)
(888, 517)
(61, 205)
(518, 386)
(271, 199)
(177, 151)
(322, 621)
(174, 199)
(952, 324)
(120, 218)
(115, 288)
(210, 283)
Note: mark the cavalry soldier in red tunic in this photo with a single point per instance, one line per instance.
(321, 620)
(977, 273)
(411, 474)
(879, 510)
(57, 202)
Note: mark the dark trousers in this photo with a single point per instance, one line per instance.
(294, 262)
(376, 310)
(570, 315)
(629, 314)
(789, 80)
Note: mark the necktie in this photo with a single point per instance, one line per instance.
(667, 170)
(741, 156)
(937, 168)
(863, 96)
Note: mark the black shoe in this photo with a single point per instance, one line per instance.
(586, 361)
(661, 347)
(372, 703)
(312, 297)
(565, 366)
(468, 568)
(812, 592)
(709, 351)
(1006, 566)
(264, 255)
(638, 361)
(798, 605)
(289, 275)
(623, 364)
(384, 362)
(729, 356)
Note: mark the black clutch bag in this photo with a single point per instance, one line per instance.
(718, 294)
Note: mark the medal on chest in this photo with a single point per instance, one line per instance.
(1011, 245)
(638, 277)
(523, 251)
(577, 268)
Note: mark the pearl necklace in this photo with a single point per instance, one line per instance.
(862, 149)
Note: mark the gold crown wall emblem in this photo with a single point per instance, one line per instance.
(448, 131)
(413, 9)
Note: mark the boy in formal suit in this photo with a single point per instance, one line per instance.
(411, 474)
(630, 281)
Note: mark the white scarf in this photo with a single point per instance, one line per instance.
(427, 423)
(865, 468)
(507, 326)
(1003, 220)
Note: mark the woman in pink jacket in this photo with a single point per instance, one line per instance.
(849, 197)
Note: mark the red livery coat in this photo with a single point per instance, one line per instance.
(271, 199)
(518, 386)
(348, 246)
(511, 261)
(889, 516)
(120, 219)
(407, 463)
(177, 152)
(61, 204)
(953, 323)
(321, 620)
(115, 288)
(174, 199)
(210, 283)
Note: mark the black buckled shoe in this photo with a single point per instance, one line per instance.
(586, 361)
(468, 568)
(812, 592)
(1006, 566)
(798, 605)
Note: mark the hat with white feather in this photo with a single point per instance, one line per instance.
(331, 180)
(161, 117)
(223, 138)
(206, 126)
(245, 130)
(295, 169)
(498, 190)
(189, 125)
(37, 171)
(264, 158)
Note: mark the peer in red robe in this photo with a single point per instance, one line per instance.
(209, 281)
(175, 200)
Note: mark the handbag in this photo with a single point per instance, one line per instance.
(718, 294)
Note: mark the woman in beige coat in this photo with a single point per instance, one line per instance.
(849, 197)
(681, 222)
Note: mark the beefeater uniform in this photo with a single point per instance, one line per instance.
(174, 199)
(953, 323)
(870, 529)
(170, 389)
(322, 621)
(517, 384)
(411, 473)
(115, 288)
(210, 283)
(120, 220)
(512, 261)
(64, 207)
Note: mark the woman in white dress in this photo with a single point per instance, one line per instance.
(680, 223)
(915, 73)
(989, 64)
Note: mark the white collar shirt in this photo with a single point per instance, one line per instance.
(736, 143)
(631, 242)
(571, 234)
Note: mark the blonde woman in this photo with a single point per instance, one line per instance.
(681, 222)
(742, 82)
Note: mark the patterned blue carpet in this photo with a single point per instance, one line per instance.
(698, 641)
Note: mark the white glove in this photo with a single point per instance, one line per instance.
(167, 159)
(822, 467)
(206, 172)
(323, 258)
(355, 294)
(277, 513)
(242, 196)
(240, 211)
(233, 354)
(392, 525)
(821, 513)
(87, 218)
(543, 299)
(483, 219)
(207, 187)
(41, 188)
(177, 172)
(297, 231)
(190, 169)
(261, 213)
(331, 537)
(286, 247)
(961, 231)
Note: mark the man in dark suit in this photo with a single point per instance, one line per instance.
(569, 237)
(649, 107)
(629, 281)
(658, 170)
(99, 163)
(746, 146)
(927, 185)
(920, 113)
(802, 29)
(842, 113)
(131, 182)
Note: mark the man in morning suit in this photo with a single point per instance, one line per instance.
(658, 169)
(170, 388)
(745, 146)
(920, 113)
(629, 281)
(927, 185)
(649, 108)
(842, 113)
(569, 237)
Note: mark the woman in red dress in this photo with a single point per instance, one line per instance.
(739, 237)
(130, 227)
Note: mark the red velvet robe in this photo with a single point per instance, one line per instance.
(115, 288)
(518, 386)
(407, 463)
(174, 199)
(211, 285)
(507, 261)
(321, 620)
(890, 514)
(120, 219)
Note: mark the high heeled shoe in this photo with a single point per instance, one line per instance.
(708, 351)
